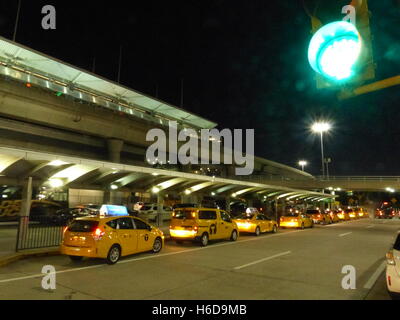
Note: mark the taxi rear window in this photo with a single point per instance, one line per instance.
(183, 214)
(207, 215)
(83, 226)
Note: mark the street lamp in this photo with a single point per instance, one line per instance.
(321, 128)
(302, 164)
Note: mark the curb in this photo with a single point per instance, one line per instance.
(26, 254)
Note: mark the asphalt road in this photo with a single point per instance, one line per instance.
(292, 264)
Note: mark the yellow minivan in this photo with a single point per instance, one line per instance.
(203, 225)
(110, 238)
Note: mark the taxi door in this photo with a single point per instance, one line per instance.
(267, 223)
(210, 219)
(127, 236)
(262, 222)
(226, 226)
(145, 238)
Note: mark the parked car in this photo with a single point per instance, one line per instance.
(332, 215)
(393, 269)
(342, 215)
(317, 216)
(149, 212)
(256, 223)
(296, 220)
(385, 211)
(361, 213)
(352, 214)
(110, 238)
(202, 225)
(64, 216)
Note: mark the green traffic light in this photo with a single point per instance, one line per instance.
(334, 51)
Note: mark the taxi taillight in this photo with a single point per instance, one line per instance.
(98, 234)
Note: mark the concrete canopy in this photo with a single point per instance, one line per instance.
(98, 175)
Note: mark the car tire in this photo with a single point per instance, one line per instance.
(76, 258)
(274, 229)
(258, 231)
(157, 245)
(114, 254)
(302, 226)
(204, 239)
(234, 235)
(312, 225)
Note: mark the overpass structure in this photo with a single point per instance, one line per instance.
(68, 128)
(338, 183)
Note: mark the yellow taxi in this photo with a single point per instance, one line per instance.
(256, 223)
(333, 215)
(318, 217)
(295, 219)
(342, 215)
(110, 237)
(203, 225)
(361, 213)
(352, 214)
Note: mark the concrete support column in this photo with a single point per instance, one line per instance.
(114, 150)
(282, 204)
(160, 204)
(276, 210)
(228, 204)
(107, 197)
(25, 211)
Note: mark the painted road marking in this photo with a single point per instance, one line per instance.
(370, 226)
(345, 234)
(154, 256)
(262, 260)
(370, 283)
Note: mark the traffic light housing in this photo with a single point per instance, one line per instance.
(325, 13)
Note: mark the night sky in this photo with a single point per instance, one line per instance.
(244, 65)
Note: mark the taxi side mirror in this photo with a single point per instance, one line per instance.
(149, 228)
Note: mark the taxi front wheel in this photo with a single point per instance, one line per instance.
(114, 254)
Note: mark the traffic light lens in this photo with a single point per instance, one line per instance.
(334, 50)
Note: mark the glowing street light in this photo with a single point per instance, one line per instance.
(320, 128)
(302, 164)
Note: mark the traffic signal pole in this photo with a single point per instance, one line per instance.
(375, 86)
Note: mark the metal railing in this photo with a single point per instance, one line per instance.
(38, 232)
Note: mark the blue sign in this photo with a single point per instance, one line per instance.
(112, 210)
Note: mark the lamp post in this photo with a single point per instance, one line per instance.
(302, 164)
(321, 128)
